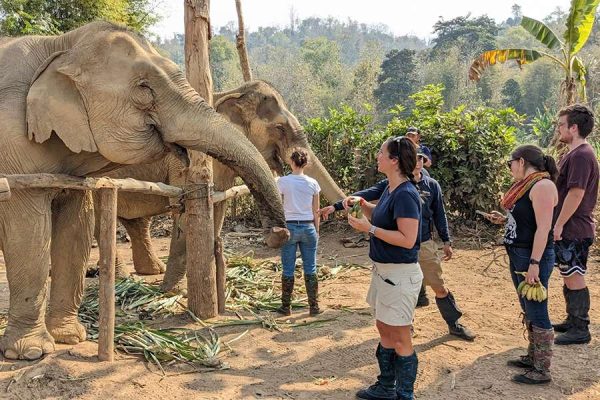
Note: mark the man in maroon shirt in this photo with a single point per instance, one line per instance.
(574, 225)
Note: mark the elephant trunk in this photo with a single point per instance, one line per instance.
(201, 128)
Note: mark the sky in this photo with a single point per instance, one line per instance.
(401, 16)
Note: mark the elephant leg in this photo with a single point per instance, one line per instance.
(145, 260)
(174, 280)
(72, 229)
(120, 268)
(26, 245)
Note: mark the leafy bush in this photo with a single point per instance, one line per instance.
(469, 148)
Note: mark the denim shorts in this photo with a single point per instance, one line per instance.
(572, 256)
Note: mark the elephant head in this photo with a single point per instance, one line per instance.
(106, 91)
(258, 109)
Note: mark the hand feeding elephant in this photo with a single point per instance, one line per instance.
(260, 112)
(84, 103)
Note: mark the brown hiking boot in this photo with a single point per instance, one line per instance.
(312, 291)
(525, 361)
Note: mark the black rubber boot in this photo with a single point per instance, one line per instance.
(542, 357)
(287, 288)
(451, 314)
(385, 387)
(566, 324)
(312, 291)
(579, 307)
(406, 375)
(423, 300)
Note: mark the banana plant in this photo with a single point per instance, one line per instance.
(562, 52)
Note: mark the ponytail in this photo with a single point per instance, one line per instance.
(550, 167)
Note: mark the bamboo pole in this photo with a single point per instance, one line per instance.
(200, 236)
(240, 43)
(4, 189)
(107, 245)
(41, 181)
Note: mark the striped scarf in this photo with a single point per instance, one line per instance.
(518, 189)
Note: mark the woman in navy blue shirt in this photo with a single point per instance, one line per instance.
(393, 225)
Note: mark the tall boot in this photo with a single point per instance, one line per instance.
(406, 375)
(525, 361)
(566, 324)
(385, 387)
(579, 307)
(287, 288)
(423, 300)
(312, 291)
(542, 358)
(451, 314)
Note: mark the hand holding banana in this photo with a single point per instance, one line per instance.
(535, 292)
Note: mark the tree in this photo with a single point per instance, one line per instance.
(517, 14)
(470, 35)
(579, 26)
(25, 17)
(512, 96)
(397, 79)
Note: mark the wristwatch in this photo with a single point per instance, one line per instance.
(372, 230)
(533, 261)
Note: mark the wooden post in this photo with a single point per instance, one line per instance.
(240, 43)
(108, 248)
(201, 268)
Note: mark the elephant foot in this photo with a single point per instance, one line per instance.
(26, 344)
(66, 330)
(175, 287)
(121, 271)
(153, 266)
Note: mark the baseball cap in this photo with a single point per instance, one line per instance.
(424, 151)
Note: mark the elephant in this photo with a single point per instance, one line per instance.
(83, 103)
(257, 109)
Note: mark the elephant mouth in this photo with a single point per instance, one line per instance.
(180, 152)
(277, 164)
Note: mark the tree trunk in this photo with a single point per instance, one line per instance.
(240, 43)
(201, 268)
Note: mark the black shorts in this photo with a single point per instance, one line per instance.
(572, 255)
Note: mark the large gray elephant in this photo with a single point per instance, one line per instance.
(82, 104)
(260, 112)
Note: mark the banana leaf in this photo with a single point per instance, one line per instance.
(580, 73)
(580, 23)
(492, 57)
(541, 32)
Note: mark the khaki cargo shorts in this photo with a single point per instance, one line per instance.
(394, 292)
(430, 259)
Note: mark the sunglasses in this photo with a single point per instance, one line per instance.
(509, 162)
(420, 158)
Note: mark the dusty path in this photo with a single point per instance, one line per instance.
(333, 360)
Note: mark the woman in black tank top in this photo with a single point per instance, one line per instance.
(529, 206)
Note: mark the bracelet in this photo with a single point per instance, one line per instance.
(372, 230)
(533, 261)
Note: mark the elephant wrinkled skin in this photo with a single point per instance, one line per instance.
(258, 110)
(84, 103)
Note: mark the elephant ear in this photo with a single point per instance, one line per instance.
(54, 105)
(230, 106)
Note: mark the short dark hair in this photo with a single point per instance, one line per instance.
(580, 115)
(299, 156)
(535, 157)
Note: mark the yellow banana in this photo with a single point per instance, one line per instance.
(530, 293)
(525, 289)
(544, 293)
(523, 283)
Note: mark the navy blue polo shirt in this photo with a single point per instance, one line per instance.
(402, 202)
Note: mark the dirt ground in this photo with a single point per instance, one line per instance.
(336, 358)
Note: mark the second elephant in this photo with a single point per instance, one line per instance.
(259, 111)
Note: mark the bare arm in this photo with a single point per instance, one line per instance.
(315, 209)
(572, 201)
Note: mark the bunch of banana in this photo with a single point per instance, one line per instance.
(535, 292)
(356, 211)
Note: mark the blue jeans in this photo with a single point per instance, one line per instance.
(303, 235)
(536, 312)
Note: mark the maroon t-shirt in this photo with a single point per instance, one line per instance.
(578, 169)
